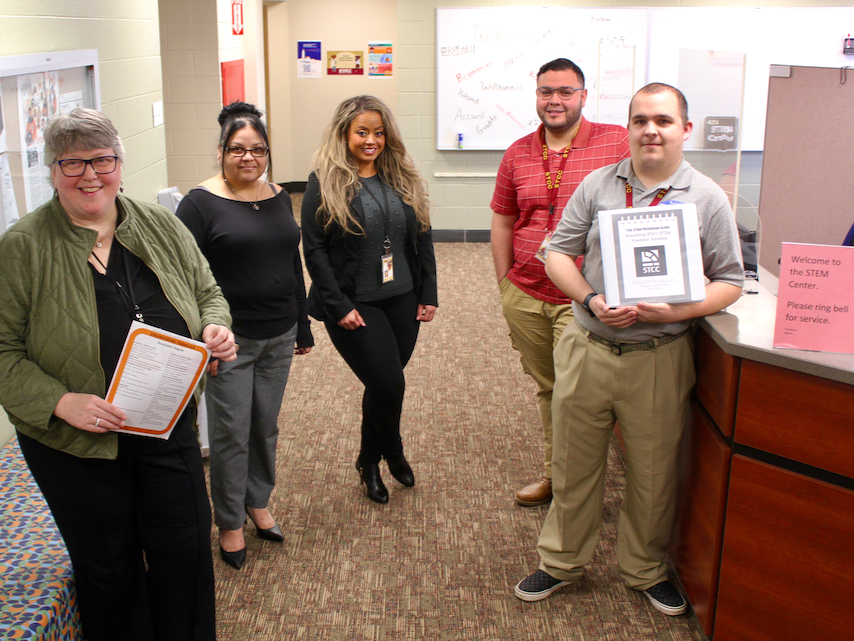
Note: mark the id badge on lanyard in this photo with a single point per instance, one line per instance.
(387, 262)
(543, 251)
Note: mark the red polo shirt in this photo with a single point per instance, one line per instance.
(520, 190)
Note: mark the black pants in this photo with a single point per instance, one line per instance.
(377, 354)
(137, 530)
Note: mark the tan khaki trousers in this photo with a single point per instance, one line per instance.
(649, 393)
(535, 329)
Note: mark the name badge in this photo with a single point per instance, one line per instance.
(387, 268)
(544, 247)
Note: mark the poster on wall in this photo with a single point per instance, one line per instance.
(345, 63)
(70, 101)
(308, 59)
(380, 59)
(38, 101)
(10, 205)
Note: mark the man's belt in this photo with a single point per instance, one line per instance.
(619, 348)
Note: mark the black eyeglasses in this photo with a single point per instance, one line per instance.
(73, 167)
(564, 93)
(239, 152)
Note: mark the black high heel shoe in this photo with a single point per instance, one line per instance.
(273, 534)
(401, 471)
(370, 475)
(234, 559)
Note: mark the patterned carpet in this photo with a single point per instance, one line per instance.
(439, 561)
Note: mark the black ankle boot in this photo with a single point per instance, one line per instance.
(401, 471)
(370, 475)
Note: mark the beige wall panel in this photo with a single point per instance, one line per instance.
(180, 63)
(135, 113)
(144, 150)
(180, 116)
(279, 91)
(145, 184)
(206, 63)
(191, 36)
(133, 77)
(124, 10)
(206, 118)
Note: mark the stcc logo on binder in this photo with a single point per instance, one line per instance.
(650, 261)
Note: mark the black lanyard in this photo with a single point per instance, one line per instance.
(127, 296)
(384, 212)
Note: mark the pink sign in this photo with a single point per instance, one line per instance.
(815, 298)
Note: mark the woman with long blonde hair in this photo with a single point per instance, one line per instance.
(369, 251)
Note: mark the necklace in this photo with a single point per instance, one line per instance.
(100, 243)
(258, 195)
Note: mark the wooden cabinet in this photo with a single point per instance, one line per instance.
(764, 536)
(717, 382)
(787, 559)
(697, 542)
(800, 417)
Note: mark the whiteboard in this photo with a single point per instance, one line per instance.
(487, 61)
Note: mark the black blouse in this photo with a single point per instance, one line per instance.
(129, 283)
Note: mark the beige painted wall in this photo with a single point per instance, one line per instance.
(196, 37)
(126, 35)
(300, 109)
(191, 89)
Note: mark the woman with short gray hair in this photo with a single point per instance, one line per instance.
(133, 510)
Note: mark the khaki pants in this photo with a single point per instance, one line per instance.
(649, 393)
(535, 329)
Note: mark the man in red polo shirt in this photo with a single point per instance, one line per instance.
(538, 174)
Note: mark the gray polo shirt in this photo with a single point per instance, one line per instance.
(577, 234)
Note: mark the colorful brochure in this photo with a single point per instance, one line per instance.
(155, 378)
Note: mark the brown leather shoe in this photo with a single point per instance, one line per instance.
(537, 493)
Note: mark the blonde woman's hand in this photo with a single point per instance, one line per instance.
(425, 313)
(353, 320)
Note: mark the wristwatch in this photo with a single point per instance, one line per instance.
(586, 303)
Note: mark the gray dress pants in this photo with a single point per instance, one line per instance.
(244, 400)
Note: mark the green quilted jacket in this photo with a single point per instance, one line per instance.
(49, 342)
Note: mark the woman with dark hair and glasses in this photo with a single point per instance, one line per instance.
(133, 510)
(245, 227)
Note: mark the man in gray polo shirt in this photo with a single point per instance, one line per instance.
(632, 363)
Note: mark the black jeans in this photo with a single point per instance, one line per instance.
(377, 354)
(137, 530)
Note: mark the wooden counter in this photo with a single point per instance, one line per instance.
(764, 539)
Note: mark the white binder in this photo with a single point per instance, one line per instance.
(652, 254)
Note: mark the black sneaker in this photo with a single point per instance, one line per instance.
(666, 598)
(538, 586)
